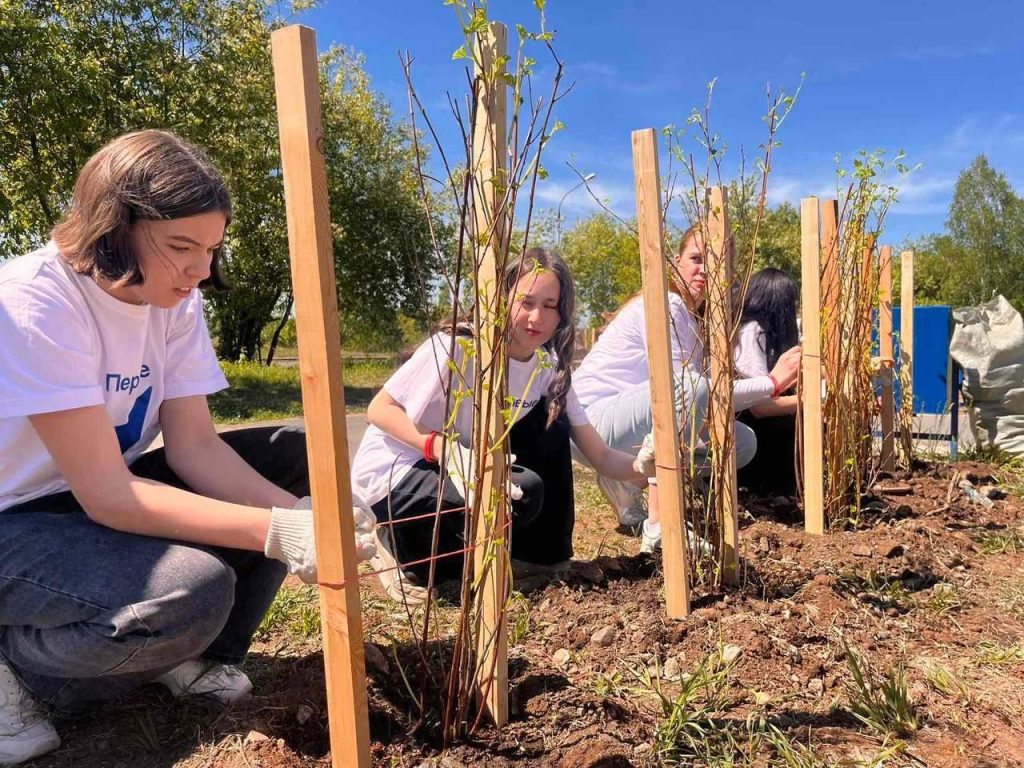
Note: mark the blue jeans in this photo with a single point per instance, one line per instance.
(623, 421)
(89, 613)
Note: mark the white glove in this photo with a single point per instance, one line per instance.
(461, 470)
(644, 462)
(290, 537)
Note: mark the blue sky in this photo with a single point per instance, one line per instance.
(941, 80)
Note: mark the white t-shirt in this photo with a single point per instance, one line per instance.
(750, 354)
(66, 343)
(619, 358)
(420, 385)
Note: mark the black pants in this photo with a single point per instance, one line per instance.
(542, 520)
(773, 468)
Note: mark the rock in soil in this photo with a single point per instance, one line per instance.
(604, 637)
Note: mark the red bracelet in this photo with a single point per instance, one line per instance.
(428, 448)
(778, 388)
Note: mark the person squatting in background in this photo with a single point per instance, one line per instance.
(119, 567)
(767, 329)
(396, 469)
(613, 383)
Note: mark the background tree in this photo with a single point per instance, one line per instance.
(981, 252)
(605, 260)
(75, 75)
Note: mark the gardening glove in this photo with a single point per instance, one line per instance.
(290, 537)
(643, 464)
(461, 471)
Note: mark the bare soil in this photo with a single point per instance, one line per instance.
(927, 580)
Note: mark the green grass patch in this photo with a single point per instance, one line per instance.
(296, 612)
(260, 393)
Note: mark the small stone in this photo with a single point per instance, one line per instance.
(642, 749)
(824, 578)
(603, 637)
(672, 669)
(763, 545)
(890, 548)
(816, 686)
(562, 657)
(254, 737)
(375, 659)
(302, 713)
(730, 653)
(861, 550)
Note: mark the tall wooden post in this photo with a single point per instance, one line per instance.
(887, 460)
(907, 329)
(810, 251)
(722, 419)
(491, 556)
(659, 359)
(323, 396)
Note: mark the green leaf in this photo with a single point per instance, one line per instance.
(460, 53)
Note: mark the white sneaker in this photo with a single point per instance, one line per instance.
(221, 682)
(25, 732)
(650, 539)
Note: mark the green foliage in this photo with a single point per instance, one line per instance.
(260, 392)
(981, 253)
(605, 261)
(778, 235)
(75, 75)
(880, 701)
(295, 612)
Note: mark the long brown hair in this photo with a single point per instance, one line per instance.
(140, 175)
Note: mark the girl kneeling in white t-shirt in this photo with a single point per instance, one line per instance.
(613, 381)
(119, 567)
(768, 328)
(396, 468)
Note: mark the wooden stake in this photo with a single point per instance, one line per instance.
(722, 419)
(887, 460)
(491, 557)
(323, 396)
(831, 293)
(659, 357)
(810, 251)
(907, 329)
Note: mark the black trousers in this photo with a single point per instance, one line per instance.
(542, 520)
(773, 468)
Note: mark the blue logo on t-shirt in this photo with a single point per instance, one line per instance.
(129, 433)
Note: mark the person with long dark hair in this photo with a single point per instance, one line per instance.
(768, 329)
(426, 410)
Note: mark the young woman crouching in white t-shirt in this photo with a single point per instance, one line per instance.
(396, 468)
(613, 381)
(768, 328)
(118, 568)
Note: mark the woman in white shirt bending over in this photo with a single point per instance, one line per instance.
(767, 330)
(613, 381)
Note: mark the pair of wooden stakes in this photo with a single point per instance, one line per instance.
(309, 236)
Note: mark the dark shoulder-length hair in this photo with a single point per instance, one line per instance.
(771, 302)
(141, 175)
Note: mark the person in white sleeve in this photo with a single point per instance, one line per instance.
(767, 329)
(613, 383)
(425, 411)
(119, 567)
